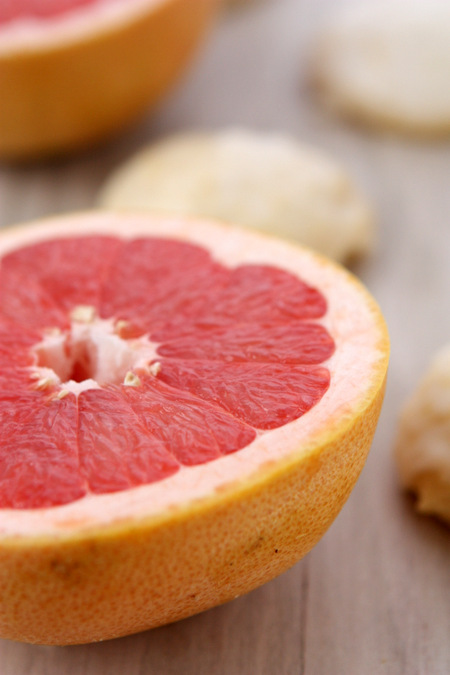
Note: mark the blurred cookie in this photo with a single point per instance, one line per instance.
(423, 444)
(266, 181)
(388, 64)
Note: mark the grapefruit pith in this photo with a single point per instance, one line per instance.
(74, 73)
(184, 408)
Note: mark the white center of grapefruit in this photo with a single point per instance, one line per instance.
(89, 355)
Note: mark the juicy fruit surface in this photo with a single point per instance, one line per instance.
(237, 351)
(42, 9)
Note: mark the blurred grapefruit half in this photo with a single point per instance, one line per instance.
(73, 72)
(185, 407)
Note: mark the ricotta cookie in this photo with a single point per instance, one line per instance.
(266, 181)
(388, 64)
(423, 443)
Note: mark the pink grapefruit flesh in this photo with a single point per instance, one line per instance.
(170, 389)
(235, 349)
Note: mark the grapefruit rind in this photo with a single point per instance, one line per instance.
(110, 565)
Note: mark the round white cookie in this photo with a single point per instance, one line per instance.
(388, 64)
(423, 443)
(265, 181)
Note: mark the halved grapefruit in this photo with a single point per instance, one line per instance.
(73, 72)
(185, 407)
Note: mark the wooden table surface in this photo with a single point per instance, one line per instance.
(374, 595)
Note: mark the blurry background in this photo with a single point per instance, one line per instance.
(374, 595)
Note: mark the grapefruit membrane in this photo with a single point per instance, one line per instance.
(185, 407)
(75, 72)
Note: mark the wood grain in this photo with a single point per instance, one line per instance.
(374, 596)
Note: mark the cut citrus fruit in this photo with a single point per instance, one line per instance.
(185, 407)
(74, 72)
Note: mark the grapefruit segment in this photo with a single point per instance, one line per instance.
(39, 468)
(145, 446)
(69, 272)
(27, 303)
(266, 293)
(193, 431)
(15, 344)
(264, 396)
(293, 342)
(149, 292)
(134, 457)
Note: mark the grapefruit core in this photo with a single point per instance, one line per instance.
(184, 408)
(72, 73)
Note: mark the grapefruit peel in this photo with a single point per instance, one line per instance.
(113, 564)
